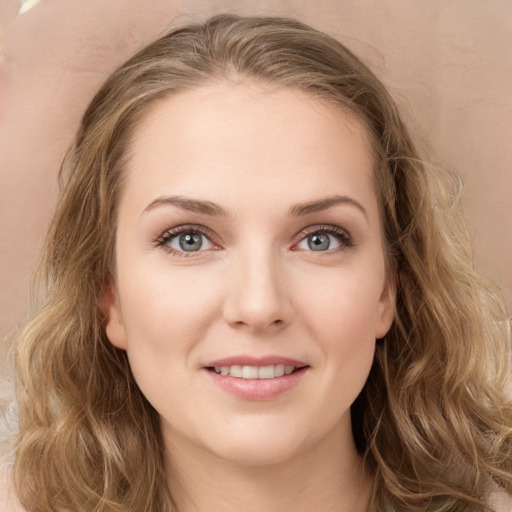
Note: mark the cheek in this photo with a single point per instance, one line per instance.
(166, 317)
(341, 315)
(344, 304)
(165, 313)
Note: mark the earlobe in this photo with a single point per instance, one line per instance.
(114, 324)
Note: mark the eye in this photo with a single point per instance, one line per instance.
(189, 242)
(184, 240)
(325, 239)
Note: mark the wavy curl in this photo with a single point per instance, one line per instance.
(433, 421)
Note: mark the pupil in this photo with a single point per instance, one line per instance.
(319, 242)
(190, 242)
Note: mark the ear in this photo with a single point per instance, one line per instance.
(114, 325)
(387, 304)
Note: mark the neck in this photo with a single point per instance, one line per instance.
(328, 476)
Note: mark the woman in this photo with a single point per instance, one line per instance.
(255, 295)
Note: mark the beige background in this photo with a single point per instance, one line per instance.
(447, 61)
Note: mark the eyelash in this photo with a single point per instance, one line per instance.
(163, 240)
(340, 234)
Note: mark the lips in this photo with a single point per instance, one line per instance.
(255, 372)
(246, 360)
(248, 367)
(253, 378)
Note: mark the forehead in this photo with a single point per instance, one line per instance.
(261, 101)
(250, 136)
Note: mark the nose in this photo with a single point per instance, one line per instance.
(258, 297)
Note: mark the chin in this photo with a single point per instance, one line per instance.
(257, 455)
(261, 446)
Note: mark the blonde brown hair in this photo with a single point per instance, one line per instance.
(433, 421)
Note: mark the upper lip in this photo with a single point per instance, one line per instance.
(244, 360)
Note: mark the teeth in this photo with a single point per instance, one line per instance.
(235, 370)
(266, 372)
(255, 372)
(279, 370)
(249, 372)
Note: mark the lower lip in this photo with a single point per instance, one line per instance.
(257, 389)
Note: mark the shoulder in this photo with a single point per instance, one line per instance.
(8, 500)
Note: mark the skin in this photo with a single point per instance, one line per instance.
(256, 289)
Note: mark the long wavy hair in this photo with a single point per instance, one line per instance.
(433, 421)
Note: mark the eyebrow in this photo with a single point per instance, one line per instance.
(191, 205)
(324, 204)
(214, 210)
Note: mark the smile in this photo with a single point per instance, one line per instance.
(265, 379)
(255, 372)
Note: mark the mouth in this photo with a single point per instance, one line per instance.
(256, 378)
(256, 372)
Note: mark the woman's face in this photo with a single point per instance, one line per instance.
(249, 246)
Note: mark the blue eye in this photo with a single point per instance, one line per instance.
(319, 241)
(185, 241)
(325, 239)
